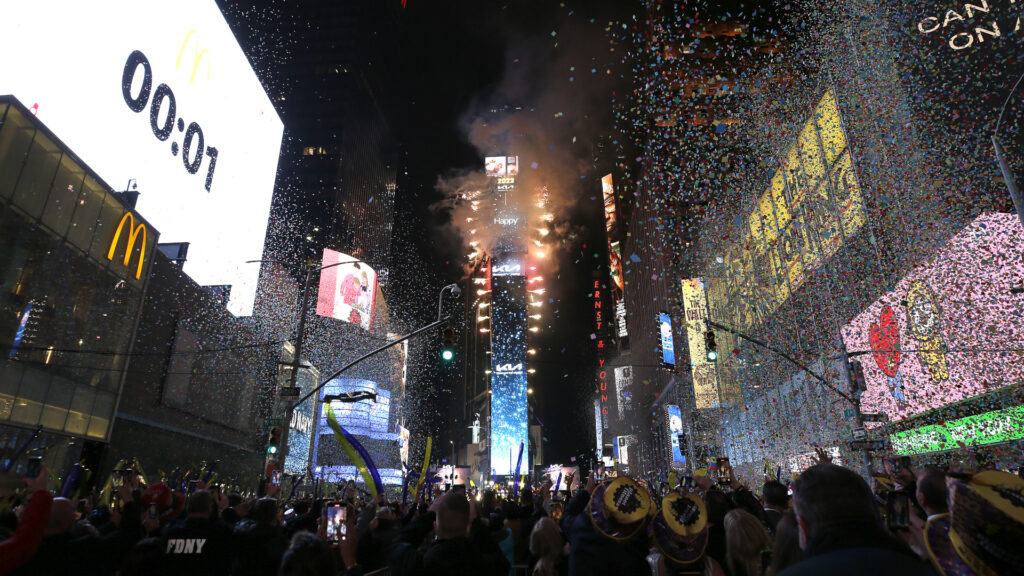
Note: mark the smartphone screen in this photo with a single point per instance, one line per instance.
(556, 511)
(724, 470)
(153, 513)
(898, 511)
(35, 465)
(275, 477)
(337, 515)
(118, 478)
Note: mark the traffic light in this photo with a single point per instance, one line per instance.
(857, 382)
(448, 346)
(274, 440)
(710, 346)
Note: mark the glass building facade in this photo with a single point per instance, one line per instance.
(74, 260)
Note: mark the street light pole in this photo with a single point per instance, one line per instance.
(1004, 167)
(300, 338)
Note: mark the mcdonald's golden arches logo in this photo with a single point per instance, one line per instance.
(133, 234)
(197, 55)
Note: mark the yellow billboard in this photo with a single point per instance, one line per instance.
(811, 207)
(705, 382)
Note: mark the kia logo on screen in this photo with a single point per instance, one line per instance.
(507, 269)
(509, 368)
(162, 103)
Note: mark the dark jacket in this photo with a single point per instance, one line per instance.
(473, 556)
(258, 548)
(198, 546)
(771, 519)
(591, 553)
(860, 561)
(856, 549)
(101, 555)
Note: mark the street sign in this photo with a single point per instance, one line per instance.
(874, 418)
(289, 392)
(848, 413)
(869, 445)
(859, 433)
(271, 421)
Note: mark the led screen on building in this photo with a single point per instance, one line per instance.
(300, 434)
(926, 340)
(509, 411)
(624, 389)
(501, 166)
(958, 62)
(705, 381)
(163, 98)
(970, 431)
(675, 433)
(668, 351)
(810, 208)
(347, 292)
(367, 420)
(614, 257)
(366, 417)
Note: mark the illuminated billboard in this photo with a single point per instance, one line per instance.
(348, 292)
(365, 417)
(957, 62)
(300, 435)
(675, 433)
(945, 332)
(970, 431)
(705, 381)
(668, 351)
(624, 389)
(164, 99)
(624, 447)
(614, 258)
(509, 408)
(501, 166)
(811, 207)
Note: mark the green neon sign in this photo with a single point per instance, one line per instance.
(988, 428)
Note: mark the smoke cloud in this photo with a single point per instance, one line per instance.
(552, 108)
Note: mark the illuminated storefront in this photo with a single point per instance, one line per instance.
(65, 343)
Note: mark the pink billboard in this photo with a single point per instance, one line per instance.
(951, 328)
(348, 290)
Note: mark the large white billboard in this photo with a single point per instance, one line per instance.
(164, 97)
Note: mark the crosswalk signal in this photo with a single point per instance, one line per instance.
(448, 346)
(710, 346)
(274, 440)
(857, 382)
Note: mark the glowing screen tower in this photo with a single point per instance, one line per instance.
(509, 411)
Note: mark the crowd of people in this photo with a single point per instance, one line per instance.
(828, 521)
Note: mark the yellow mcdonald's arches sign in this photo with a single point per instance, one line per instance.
(133, 234)
(197, 55)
